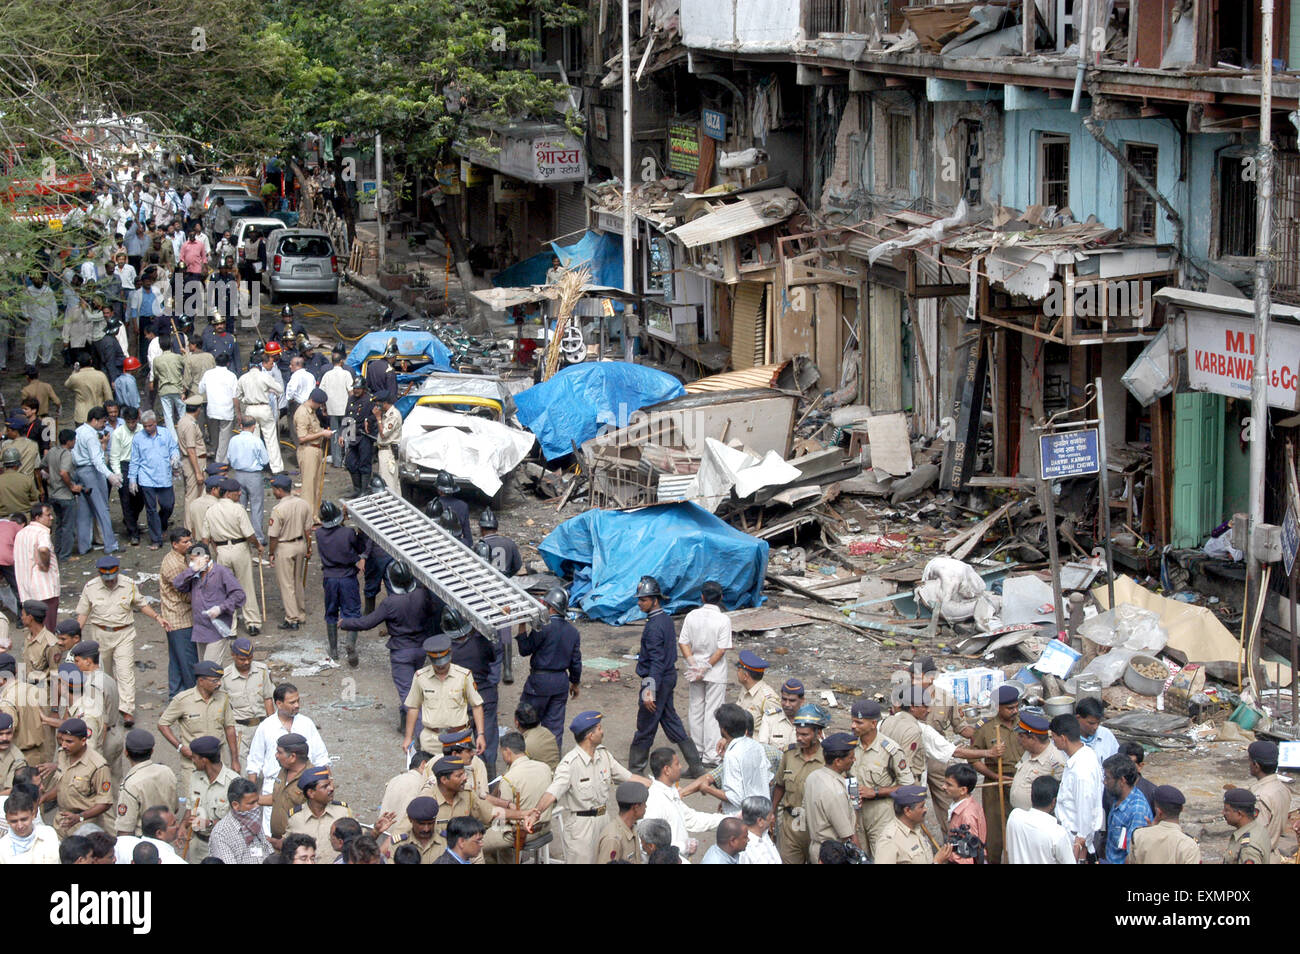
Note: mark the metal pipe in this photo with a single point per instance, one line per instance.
(628, 283)
(379, 192)
(1149, 187)
(1103, 479)
(1263, 308)
(1081, 34)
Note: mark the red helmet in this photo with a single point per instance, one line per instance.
(131, 364)
(273, 347)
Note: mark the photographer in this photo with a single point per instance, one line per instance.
(967, 828)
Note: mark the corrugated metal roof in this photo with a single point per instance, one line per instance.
(763, 376)
(747, 214)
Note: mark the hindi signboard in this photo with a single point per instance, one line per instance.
(1069, 454)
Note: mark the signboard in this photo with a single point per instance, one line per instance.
(714, 124)
(961, 429)
(507, 189)
(546, 158)
(1071, 454)
(1290, 537)
(600, 122)
(683, 148)
(472, 175)
(559, 159)
(1220, 357)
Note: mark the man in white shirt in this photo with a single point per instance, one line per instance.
(746, 769)
(337, 385)
(665, 802)
(28, 841)
(158, 826)
(261, 751)
(301, 383)
(704, 641)
(757, 814)
(40, 311)
(218, 386)
(1034, 836)
(1078, 802)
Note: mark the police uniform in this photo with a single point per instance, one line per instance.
(461, 510)
(540, 744)
(289, 524)
(82, 783)
(11, 758)
(1271, 795)
(390, 435)
(381, 379)
(443, 701)
(828, 813)
(110, 621)
(302, 821)
(286, 797)
(248, 695)
(400, 790)
(24, 703)
(1163, 843)
(41, 653)
(986, 736)
(196, 511)
(189, 435)
(904, 846)
(523, 785)
(227, 525)
(341, 549)
(99, 706)
(1249, 845)
(1051, 761)
(617, 842)
(360, 429)
(556, 651)
(407, 617)
(482, 657)
(311, 455)
(144, 785)
(903, 729)
(464, 804)
(881, 764)
(218, 343)
(503, 553)
(657, 660)
(760, 700)
(190, 716)
(792, 774)
(208, 805)
(581, 788)
(421, 808)
(476, 773)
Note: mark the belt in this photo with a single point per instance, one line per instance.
(448, 728)
(256, 404)
(292, 540)
(591, 812)
(202, 835)
(253, 721)
(227, 543)
(113, 629)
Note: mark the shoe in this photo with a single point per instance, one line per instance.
(353, 659)
(135, 541)
(637, 757)
(254, 630)
(155, 546)
(694, 769)
(332, 632)
(288, 625)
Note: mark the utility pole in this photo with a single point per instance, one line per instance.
(628, 282)
(1263, 307)
(379, 192)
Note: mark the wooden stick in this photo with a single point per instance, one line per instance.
(1002, 806)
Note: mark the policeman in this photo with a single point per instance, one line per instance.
(81, 785)
(827, 809)
(451, 523)
(657, 666)
(757, 697)
(778, 729)
(800, 760)
(407, 613)
(342, 554)
(203, 710)
(317, 815)
(206, 802)
(313, 444)
(218, 341)
(459, 744)
(439, 696)
(422, 815)
(906, 841)
(1249, 843)
(314, 360)
(445, 484)
(880, 768)
(360, 431)
(100, 702)
(285, 333)
(289, 540)
(482, 657)
(556, 648)
(503, 553)
(145, 784)
(377, 563)
(389, 437)
(1164, 842)
(232, 535)
(248, 683)
(381, 379)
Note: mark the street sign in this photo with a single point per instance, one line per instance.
(1069, 454)
(714, 124)
(1290, 537)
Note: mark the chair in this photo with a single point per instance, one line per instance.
(537, 850)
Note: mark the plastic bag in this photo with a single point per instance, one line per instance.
(1126, 627)
(1109, 667)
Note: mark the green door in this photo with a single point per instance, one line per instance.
(1198, 467)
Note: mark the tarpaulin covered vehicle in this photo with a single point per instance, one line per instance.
(418, 354)
(477, 451)
(484, 395)
(681, 545)
(579, 400)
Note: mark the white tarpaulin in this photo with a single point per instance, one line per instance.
(472, 448)
(723, 468)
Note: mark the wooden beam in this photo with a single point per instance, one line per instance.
(940, 291)
(896, 82)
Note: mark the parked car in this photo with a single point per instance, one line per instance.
(244, 229)
(208, 193)
(300, 262)
(245, 206)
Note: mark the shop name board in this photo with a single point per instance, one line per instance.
(1221, 357)
(714, 124)
(558, 159)
(1071, 454)
(683, 148)
(506, 189)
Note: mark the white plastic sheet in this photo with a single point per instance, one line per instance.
(472, 448)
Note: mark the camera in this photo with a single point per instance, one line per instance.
(966, 844)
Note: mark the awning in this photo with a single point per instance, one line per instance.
(1224, 304)
(762, 376)
(534, 152)
(748, 213)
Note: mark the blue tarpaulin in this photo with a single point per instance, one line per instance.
(573, 405)
(409, 344)
(525, 274)
(602, 252)
(681, 545)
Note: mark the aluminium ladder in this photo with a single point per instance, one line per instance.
(485, 598)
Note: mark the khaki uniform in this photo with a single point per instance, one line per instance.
(429, 850)
(878, 765)
(529, 779)
(827, 810)
(303, 822)
(1051, 761)
(11, 760)
(248, 695)
(110, 620)
(1164, 844)
(760, 700)
(190, 435)
(778, 731)
(195, 365)
(617, 842)
(582, 788)
(41, 653)
(442, 702)
(29, 453)
(32, 737)
(465, 804)
(17, 492)
(227, 525)
(89, 388)
(986, 736)
(98, 706)
(190, 716)
(1249, 845)
(540, 744)
(476, 776)
(144, 785)
(82, 783)
(390, 434)
(902, 728)
(286, 797)
(791, 774)
(398, 793)
(311, 456)
(208, 805)
(1274, 800)
(253, 390)
(196, 512)
(904, 846)
(43, 393)
(289, 524)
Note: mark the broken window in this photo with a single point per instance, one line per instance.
(1139, 206)
(825, 16)
(857, 162)
(973, 180)
(1236, 205)
(1054, 170)
(900, 151)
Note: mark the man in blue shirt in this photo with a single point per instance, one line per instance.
(656, 664)
(125, 388)
(731, 839)
(1092, 733)
(556, 649)
(247, 456)
(1131, 810)
(464, 841)
(154, 457)
(95, 477)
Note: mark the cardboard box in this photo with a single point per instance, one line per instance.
(970, 687)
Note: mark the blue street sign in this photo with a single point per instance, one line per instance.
(1070, 454)
(714, 123)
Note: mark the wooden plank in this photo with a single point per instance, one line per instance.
(747, 327)
(961, 544)
(761, 618)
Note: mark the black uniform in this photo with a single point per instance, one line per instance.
(556, 649)
(657, 659)
(340, 549)
(318, 364)
(504, 553)
(167, 325)
(461, 510)
(411, 618)
(286, 333)
(381, 380)
(109, 357)
(360, 431)
(219, 344)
